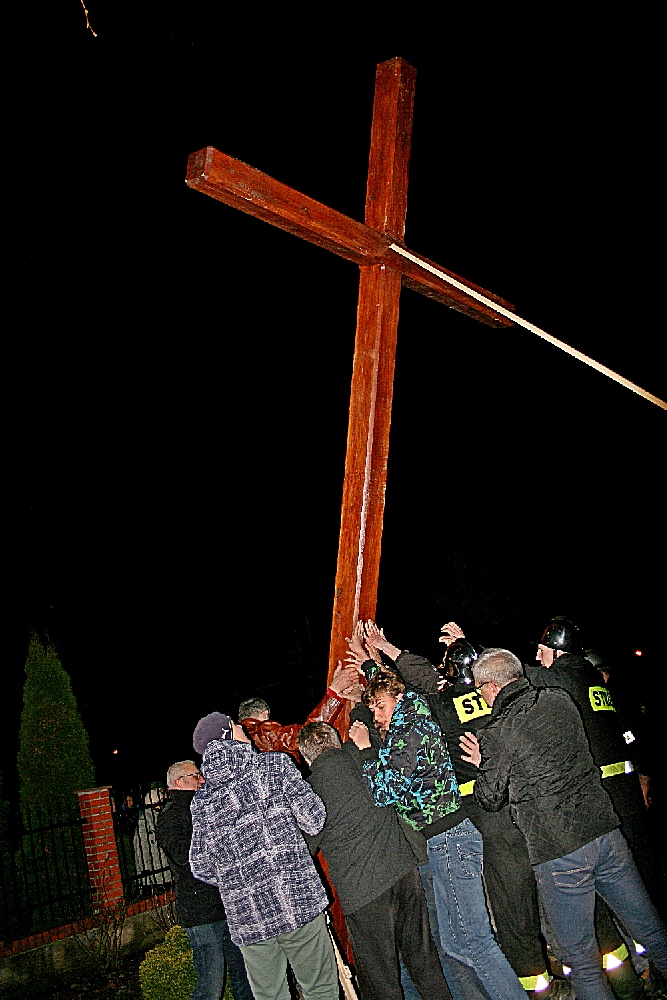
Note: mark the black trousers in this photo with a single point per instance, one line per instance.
(396, 920)
(512, 892)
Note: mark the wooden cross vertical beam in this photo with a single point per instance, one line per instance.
(371, 394)
(368, 244)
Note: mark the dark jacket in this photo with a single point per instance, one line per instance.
(196, 902)
(587, 689)
(457, 709)
(602, 724)
(535, 752)
(363, 844)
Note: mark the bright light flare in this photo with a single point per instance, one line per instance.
(541, 983)
(611, 962)
(638, 652)
(115, 751)
(639, 948)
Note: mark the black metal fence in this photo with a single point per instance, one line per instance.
(144, 867)
(44, 880)
(43, 870)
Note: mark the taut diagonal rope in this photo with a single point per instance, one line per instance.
(531, 326)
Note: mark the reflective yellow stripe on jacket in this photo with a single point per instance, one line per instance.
(623, 767)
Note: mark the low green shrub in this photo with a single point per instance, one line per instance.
(167, 972)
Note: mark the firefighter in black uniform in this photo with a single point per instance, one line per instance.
(510, 883)
(560, 651)
(561, 663)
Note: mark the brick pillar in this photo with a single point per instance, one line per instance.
(99, 842)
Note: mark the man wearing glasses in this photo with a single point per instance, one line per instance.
(535, 754)
(199, 909)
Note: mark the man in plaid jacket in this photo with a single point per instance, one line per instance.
(246, 839)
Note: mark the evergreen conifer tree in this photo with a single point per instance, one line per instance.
(54, 756)
(54, 761)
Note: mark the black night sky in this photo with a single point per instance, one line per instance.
(176, 373)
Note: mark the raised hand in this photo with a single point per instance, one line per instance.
(452, 632)
(374, 654)
(357, 651)
(353, 693)
(343, 678)
(356, 641)
(375, 637)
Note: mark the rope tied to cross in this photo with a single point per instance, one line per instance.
(531, 326)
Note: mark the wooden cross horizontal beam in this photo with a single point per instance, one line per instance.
(255, 193)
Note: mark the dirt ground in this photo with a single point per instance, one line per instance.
(122, 985)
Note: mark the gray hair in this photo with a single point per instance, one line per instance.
(316, 737)
(497, 665)
(252, 708)
(177, 770)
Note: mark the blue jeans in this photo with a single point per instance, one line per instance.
(462, 980)
(212, 947)
(567, 887)
(456, 861)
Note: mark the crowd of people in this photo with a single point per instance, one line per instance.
(483, 830)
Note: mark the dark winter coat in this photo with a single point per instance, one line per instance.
(363, 844)
(587, 689)
(603, 727)
(535, 753)
(196, 902)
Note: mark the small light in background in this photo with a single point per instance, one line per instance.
(115, 751)
(638, 652)
(639, 948)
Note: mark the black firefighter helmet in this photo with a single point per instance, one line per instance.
(562, 634)
(458, 662)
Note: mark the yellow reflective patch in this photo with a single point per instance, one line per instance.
(600, 699)
(622, 767)
(470, 706)
(612, 959)
(536, 983)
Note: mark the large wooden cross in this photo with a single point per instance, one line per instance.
(382, 272)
